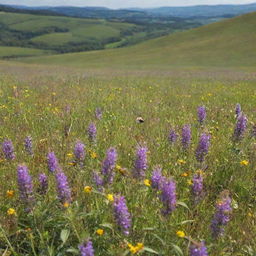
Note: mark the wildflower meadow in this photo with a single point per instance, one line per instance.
(128, 165)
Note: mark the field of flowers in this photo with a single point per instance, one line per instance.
(138, 165)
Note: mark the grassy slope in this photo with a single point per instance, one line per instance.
(227, 43)
(6, 51)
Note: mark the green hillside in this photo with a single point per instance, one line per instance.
(11, 52)
(227, 43)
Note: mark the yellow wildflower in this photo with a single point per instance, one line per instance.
(184, 174)
(189, 182)
(11, 211)
(110, 197)
(136, 248)
(93, 155)
(87, 189)
(244, 162)
(72, 163)
(180, 233)
(69, 154)
(66, 205)
(100, 232)
(9, 193)
(147, 182)
(181, 161)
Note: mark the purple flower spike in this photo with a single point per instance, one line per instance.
(43, 183)
(28, 145)
(198, 249)
(140, 165)
(122, 215)
(52, 162)
(25, 185)
(173, 136)
(201, 114)
(64, 192)
(197, 186)
(86, 249)
(156, 178)
(98, 180)
(203, 147)
(168, 196)
(79, 151)
(240, 128)
(186, 136)
(8, 150)
(238, 110)
(92, 132)
(98, 113)
(108, 166)
(221, 217)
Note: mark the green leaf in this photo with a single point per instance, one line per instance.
(185, 222)
(183, 204)
(64, 235)
(73, 250)
(147, 249)
(107, 225)
(177, 250)
(160, 239)
(149, 229)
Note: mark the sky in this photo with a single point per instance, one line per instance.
(115, 4)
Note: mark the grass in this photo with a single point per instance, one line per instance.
(37, 106)
(11, 52)
(229, 43)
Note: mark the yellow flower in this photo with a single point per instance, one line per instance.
(181, 161)
(184, 174)
(244, 162)
(66, 205)
(54, 93)
(110, 197)
(147, 182)
(9, 193)
(87, 189)
(180, 233)
(136, 248)
(72, 163)
(69, 155)
(189, 182)
(100, 232)
(93, 155)
(11, 211)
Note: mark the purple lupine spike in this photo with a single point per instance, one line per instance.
(240, 128)
(98, 113)
(198, 249)
(79, 151)
(92, 132)
(108, 166)
(25, 185)
(122, 215)
(156, 178)
(53, 163)
(86, 249)
(43, 183)
(203, 147)
(201, 114)
(8, 150)
(98, 180)
(168, 196)
(197, 186)
(140, 165)
(64, 192)
(28, 144)
(221, 217)
(173, 136)
(238, 110)
(186, 136)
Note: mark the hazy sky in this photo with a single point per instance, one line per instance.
(122, 3)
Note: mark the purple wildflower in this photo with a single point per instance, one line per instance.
(156, 178)
(122, 215)
(198, 249)
(201, 114)
(92, 132)
(108, 166)
(173, 136)
(52, 162)
(168, 196)
(203, 147)
(197, 186)
(140, 164)
(238, 110)
(64, 192)
(186, 136)
(86, 249)
(25, 185)
(43, 183)
(98, 180)
(8, 150)
(221, 217)
(240, 128)
(79, 151)
(28, 145)
(98, 113)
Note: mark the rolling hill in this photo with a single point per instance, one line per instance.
(226, 43)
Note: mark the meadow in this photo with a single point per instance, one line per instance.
(68, 206)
